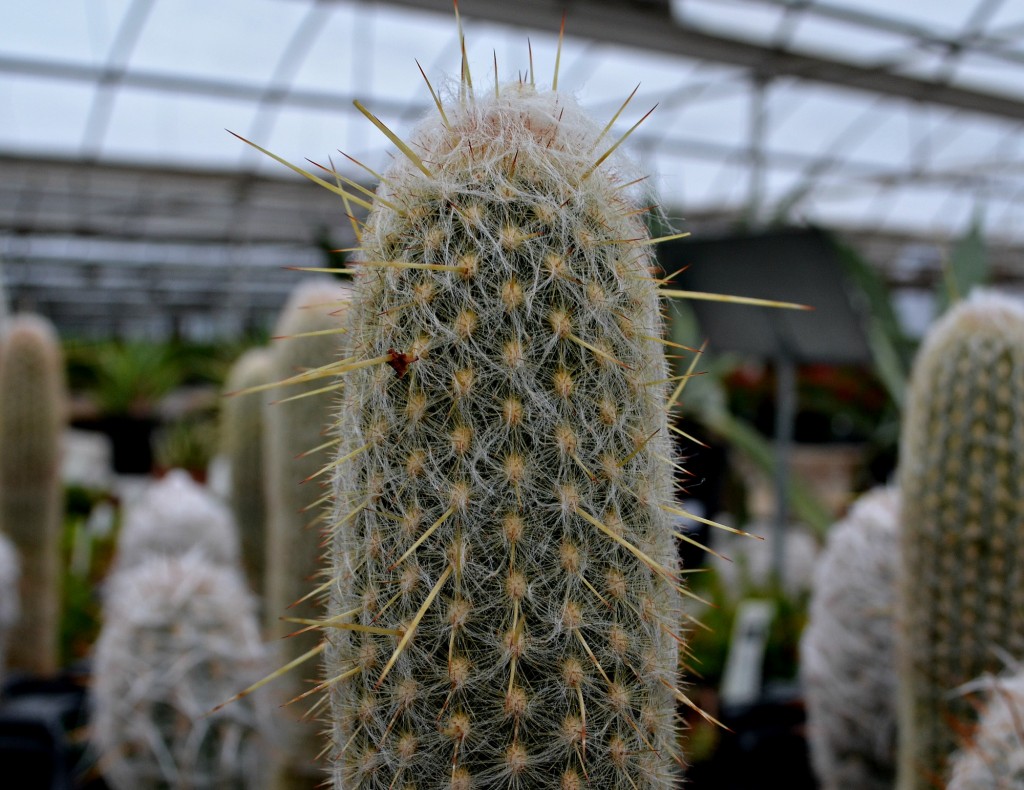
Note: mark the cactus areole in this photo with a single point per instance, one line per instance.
(505, 596)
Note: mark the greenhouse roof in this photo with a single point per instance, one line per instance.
(863, 115)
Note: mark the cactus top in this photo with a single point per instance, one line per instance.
(176, 515)
(500, 537)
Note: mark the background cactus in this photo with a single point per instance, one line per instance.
(32, 419)
(994, 758)
(241, 442)
(176, 515)
(847, 652)
(180, 635)
(504, 606)
(962, 479)
(9, 603)
(294, 541)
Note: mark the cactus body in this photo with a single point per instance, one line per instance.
(9, 603)
(847, 652)
(32, 417)
(501, 479)
(294, 544)
(994, 758)
(174, 516)
(242, 446)
(962, 480)
(180, 636)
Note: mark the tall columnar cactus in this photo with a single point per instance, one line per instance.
(292, 429)
(32, 417)
(847, 652)
(962, 480)
(994, 757)
(9, 599)
(174, 516)
(505, 605)
(180, 635)
(242, 445)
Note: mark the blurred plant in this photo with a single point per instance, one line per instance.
(180, 636)
(188, 443)
(33, 408)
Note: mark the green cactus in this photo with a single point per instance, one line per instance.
(847, 651)
(180, 633)
(32, 419)
(962, 480)
(242, 445)
(294, 548)
(504, 603)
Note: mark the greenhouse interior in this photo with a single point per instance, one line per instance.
(438, 395)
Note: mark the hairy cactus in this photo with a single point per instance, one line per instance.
(962, 480)
(176, 515)
(242, 445)
(180, 634)
(294, 546)
(994, 758)
(847, 652)
(32, 418)
(9, 603)
(505, 605)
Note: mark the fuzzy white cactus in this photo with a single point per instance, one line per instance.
(180, 636)
(9, 597)
(176, 515)
(847, 652)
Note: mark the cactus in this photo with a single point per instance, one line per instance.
(504, 607)
(962, 479)
(242, 446)
(847, 652)
(176, 515)
(180, 633)
(9, 603)
(292, 429)
(32, 417)
(994, 758)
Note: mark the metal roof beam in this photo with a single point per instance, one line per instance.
(649, 26)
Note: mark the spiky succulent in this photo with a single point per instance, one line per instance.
(962, 481)
(993, 759)
(32, 419)
(505, 584)
(241, 441)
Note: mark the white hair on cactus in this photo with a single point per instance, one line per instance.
(180, 636)
(176, 515)
(847, 652)
(994, 757)
(10, 608)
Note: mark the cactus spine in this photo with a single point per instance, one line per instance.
(504, 600)
(242, 445)
(962, 480)
(847, 652)
(294, 545)
(180, 635)
(32, 415)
